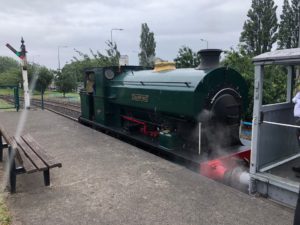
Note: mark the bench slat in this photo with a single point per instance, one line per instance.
(28, 166)
(47, 159)
(5, 135)
(9, 141)
(31, 155)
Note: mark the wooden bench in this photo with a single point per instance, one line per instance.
(25, 155)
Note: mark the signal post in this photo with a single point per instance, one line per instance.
(22, 56)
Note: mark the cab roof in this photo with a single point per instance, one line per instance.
(281, 57)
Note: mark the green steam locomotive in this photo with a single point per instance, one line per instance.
(189, 113)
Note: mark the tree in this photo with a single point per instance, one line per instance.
(78, 64)
(10, 71)
(113, 54)
(45, 77)
(295, 23)
(65, 81)
(286, 26)
(242, 62)
(7, 63)
(186, 58)
(147, 46)
(274, 87)
(288, 35)
(11, 77)
(260, 29)
(99, 59)
(274, 78)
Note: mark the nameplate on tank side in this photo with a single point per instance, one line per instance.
(139, 98)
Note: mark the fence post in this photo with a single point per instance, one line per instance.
(16, 96)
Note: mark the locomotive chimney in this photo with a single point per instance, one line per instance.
(210, 58)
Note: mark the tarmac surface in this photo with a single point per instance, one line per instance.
(106, 181)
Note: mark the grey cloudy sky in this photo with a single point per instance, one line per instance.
(84, 24)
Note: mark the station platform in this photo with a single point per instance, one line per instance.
(106, 181)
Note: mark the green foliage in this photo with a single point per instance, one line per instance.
(45, 77)
(97, 59)
(186, 58)
(76, 68)
(65, 81)
(5, 218)
(10, 71)
(274, 88)
(295, 31)
(258, 36)
(242, 62)
(286, 26)
(259, 31)
(113, 55)
(288, 35)
(147, 46)
(275, 84)
(7, 63)
(11, 76)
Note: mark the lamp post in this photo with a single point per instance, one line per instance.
(111, 31)
(205, 41)
(58, 58)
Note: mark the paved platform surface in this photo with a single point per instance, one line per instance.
(106, 181)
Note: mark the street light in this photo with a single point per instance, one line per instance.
(58, 47)
(119, 29)
(205, 41)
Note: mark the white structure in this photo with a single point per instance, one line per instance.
(274, 144)
(25, 85)
(124, 60)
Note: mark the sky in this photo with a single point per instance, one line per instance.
(65, 25)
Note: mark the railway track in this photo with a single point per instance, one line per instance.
(72, 110)
(69, 110)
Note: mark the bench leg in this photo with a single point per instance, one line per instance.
(12, 170)
(47, 177)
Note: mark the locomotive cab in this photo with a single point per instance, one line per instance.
(86, 96)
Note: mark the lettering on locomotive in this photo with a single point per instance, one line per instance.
(139, 98)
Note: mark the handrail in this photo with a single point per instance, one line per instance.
(247, 123)
(281, 124)
(187, 84)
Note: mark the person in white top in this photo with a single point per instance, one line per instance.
(296, 100)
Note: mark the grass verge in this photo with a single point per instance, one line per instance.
(5, 106)
(5, 217)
